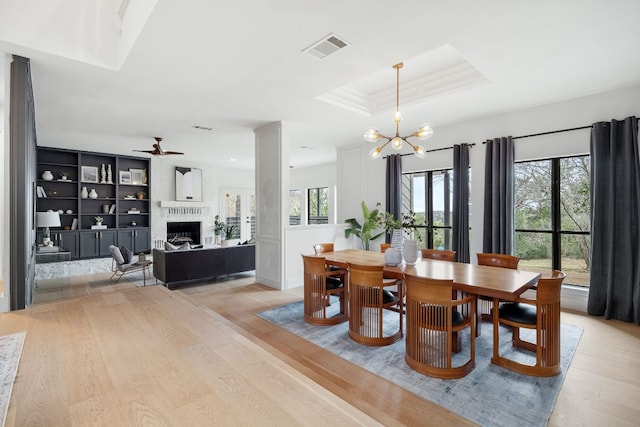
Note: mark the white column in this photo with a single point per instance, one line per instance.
(272, 203)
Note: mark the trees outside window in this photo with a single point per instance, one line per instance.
(430, 196)
(295, 205)
(552, 216)
(318, 205)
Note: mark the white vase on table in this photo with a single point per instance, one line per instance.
(392, 256)
(410, 251)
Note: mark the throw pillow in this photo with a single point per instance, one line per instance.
(184, 247)
(117, 255)
(127, 254)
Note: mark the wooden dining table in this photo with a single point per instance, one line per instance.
(494, 282)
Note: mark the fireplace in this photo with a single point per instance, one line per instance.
(183, 231)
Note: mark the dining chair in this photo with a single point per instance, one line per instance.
(485, 304)
(368, 300)
(443, 255)
(541, 314)
(323, 247)
(336, 280)
(434, 319)
(318, 290)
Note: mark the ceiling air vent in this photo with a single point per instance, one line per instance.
(325, 47)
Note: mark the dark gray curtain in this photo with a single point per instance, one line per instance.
(461, 202)
(498, 231)
(394, 187)
(614, 290)
(22, 179)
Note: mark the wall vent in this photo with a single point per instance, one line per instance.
(325, 47)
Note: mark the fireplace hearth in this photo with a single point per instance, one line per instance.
(183, 232)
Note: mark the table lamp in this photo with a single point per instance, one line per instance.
(46, 220)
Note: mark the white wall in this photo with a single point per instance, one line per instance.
(163, 189)
(299, 241)
(357, 183)
(315, 177)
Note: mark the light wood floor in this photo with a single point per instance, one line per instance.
(121, 355)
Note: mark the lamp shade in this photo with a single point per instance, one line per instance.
(47, 219)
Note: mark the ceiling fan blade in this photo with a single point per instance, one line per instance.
(158, 151)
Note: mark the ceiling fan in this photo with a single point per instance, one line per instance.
(157, 150)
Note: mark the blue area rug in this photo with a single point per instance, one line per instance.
(489, 395)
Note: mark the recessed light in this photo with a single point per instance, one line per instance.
(232, 159)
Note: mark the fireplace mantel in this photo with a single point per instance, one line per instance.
(182, 204)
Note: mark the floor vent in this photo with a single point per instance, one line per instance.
(325, 47)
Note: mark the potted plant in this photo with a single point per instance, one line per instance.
(140, 195)
(142, 257)
(98, 220)
(218, 228)
(228, 236)
(64, 175)
(373, 220)
(394, 227)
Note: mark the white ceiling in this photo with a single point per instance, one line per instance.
(236, 66)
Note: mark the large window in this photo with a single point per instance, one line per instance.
(318, 205)
(295, 204)
(430, 196)
(552, 216)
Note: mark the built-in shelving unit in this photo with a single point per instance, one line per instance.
(116, 188)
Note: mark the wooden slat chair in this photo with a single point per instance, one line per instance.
(318, 289)
(368, 298)
(335, 280)
(432, 323)
(443, 255)
(541, 314)
(485, 304)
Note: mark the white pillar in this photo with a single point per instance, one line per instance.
(272, 203)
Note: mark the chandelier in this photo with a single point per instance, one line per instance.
(424, 131)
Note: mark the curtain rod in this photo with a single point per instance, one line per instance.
(554, 131)
(432, 150)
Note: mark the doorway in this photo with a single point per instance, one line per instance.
(239, 209)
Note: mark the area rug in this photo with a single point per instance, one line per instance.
(10, 352)
(489, 395)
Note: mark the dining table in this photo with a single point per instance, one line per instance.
(501, 284)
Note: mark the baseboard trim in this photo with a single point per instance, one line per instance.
(574, 298)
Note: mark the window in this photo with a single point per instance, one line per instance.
(430, 196)
(295, 203)
(318, 205)
(552, 216)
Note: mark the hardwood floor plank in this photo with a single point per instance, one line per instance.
(199, 356)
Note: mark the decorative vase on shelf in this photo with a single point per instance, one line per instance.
(109, 174)
(47, 176)
(410, 251)
(103, 175)
(84, 193)
(392, 256)
(93, 194)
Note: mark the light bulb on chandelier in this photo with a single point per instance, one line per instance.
(424, 131)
